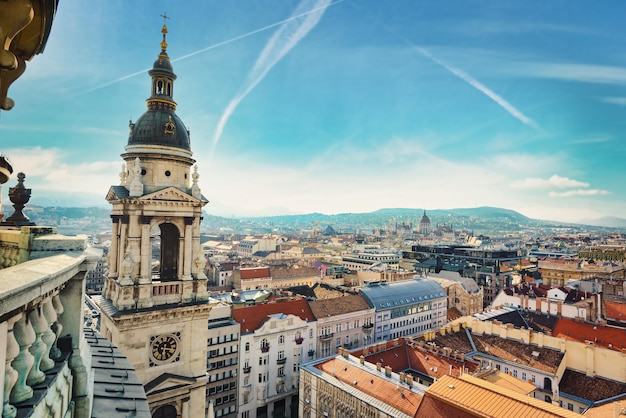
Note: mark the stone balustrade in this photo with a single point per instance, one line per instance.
(40, 306)
(48, 369)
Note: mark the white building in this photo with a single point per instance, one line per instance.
(274, 338)
(408, 307)
(247, 247)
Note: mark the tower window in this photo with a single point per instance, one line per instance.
(167, 173)
(143, 171)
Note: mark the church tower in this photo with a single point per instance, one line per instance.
(155, 302)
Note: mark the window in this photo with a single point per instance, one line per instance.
(281, 339)
(281, 354)
(570, 406)
(247, 346)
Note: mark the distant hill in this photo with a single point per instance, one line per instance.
(479, 220)
(607, 221)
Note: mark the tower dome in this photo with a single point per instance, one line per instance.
(160, 126)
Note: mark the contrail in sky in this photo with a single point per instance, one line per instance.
(462, 75)
(284, 39)
(480, 86)
(219, 44)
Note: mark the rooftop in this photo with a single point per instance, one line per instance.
(252, 317)
(467, 396)
(323, 308)
(602, 336)
(591, 388)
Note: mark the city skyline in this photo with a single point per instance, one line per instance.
(339, 106)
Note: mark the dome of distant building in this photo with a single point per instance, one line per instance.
(424, 224)
(329, 231)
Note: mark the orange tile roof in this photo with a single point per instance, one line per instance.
(255, 273)
(602, 336)
(479, 397)
(373, 384)
(615, 311)
(252, 317)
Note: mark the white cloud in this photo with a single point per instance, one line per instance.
(47, 171)
(572, 71)
(579, 192)
(555, 181)
(621, 101)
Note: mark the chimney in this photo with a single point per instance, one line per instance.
(409, 379)
(388, 371)
(378, 366)
(402, 377)
(362, 359)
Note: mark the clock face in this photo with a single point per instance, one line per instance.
(164, 347)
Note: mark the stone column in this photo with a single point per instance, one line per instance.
(188, 251)
(113, 251)
(145, 275)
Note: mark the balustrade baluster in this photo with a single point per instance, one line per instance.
(23, 363)
(57, 327)
(10, 374)
(49, 336)
(38, 348)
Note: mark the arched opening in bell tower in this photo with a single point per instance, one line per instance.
(169, 240)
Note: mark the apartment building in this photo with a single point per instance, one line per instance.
(409, 307)
(275, 339)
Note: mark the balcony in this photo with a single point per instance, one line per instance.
(311, 353)
(299, 340)
(246, 369)
(50, 359)
(281, 360)
(265, 348)
(326, 336)
(367, 327)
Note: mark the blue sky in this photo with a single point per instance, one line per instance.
(299, 106)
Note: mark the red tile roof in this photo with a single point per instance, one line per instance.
(252, 317)
(255, 273)
(405, 356)
(615, 311)
(602, 336)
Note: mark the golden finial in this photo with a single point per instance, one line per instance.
(164, 31)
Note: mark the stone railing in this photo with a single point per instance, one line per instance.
(41, 302)
(47, 363)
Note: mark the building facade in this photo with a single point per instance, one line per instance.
(410, 307)
(346, 321)
(274, 342)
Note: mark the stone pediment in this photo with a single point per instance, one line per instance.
(169, 194)
(168, 381)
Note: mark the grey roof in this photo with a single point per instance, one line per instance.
(117, 390)
(120, 191)
(467, 283)
(407, 292)
(148, 130)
